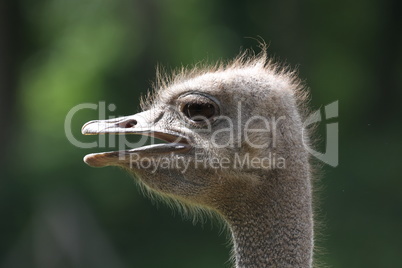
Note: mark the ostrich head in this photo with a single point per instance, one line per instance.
(234, 145)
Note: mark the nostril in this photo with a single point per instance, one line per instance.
(130, 123)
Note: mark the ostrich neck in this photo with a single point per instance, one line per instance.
(275, 227)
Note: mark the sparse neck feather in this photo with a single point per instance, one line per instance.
(274, 228)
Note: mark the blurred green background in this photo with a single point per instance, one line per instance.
(55, 54)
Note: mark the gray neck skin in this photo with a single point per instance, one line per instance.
(274, 226)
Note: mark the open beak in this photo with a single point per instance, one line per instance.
(137, 125)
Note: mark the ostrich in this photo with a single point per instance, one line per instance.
(235, 146)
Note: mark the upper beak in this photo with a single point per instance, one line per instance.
(134, 124)
(138, 124)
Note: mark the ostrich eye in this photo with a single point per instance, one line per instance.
(198, 108)
(198, 112)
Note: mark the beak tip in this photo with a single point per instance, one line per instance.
(84, 129)
(95, 160)
(91, 127)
